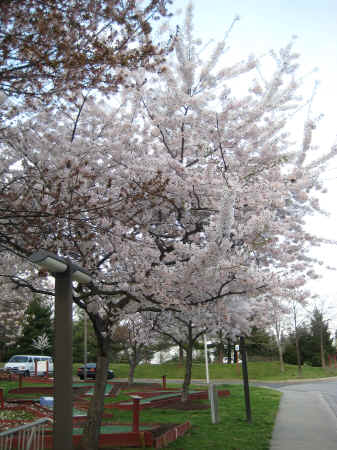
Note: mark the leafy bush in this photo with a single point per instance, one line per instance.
(316, 360)
(289, 355)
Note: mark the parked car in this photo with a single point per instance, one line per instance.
(91, 371)
(25, 364)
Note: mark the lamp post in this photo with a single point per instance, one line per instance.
(85, 346)
(64, 272)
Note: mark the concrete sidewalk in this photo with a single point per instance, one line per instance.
(305, 421)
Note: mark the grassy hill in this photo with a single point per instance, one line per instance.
(264, 371)
(267, 371)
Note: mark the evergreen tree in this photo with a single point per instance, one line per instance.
(260, 343)
(303, 334)
(320, 338)
(315, 342)
(78, 341)
(37, 322)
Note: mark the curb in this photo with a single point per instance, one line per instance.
(235, 380)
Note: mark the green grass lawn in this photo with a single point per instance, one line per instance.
(233, 432)
(264, 371)
(8, 385)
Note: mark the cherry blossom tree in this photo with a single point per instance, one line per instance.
(181, 196)
(278, 312)
(247, 140)
(10, 328)
(283, 310)
(184, 332)
(136, 337)
(105, 220)
(186, 326)
(54, 46)
(12, 310)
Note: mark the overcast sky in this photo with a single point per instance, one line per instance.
(270, 24)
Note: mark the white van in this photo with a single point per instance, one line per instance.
(25, 364)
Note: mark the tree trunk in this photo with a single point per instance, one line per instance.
(280, 351)
(181, 355)
(132, 368)
(92, 426)
(229, 351)
(235, 360)
(188, 373)
(322, 347)
(298, 354)
(221, 353)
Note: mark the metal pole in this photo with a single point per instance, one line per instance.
(85, 346)
(63, 401)
(206, 359)
(245, 379)
(213, 397)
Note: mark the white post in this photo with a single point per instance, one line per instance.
(213, 398)
(206, 358)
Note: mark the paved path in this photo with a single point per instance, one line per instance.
(307, 417)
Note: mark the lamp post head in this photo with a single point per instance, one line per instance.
(55, 264)
(79, 274)
(49, 261)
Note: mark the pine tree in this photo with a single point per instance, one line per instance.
(260, 343)
(320, 338)
(37, 322)
(315, 341)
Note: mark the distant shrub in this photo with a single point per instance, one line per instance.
(316, 360)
